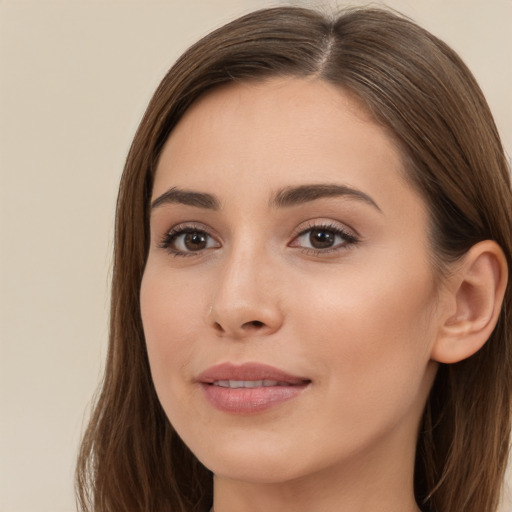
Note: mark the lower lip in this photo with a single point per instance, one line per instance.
(250, 400)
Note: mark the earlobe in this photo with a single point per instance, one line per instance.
(476, 291)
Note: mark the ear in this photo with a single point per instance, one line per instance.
(474, 295)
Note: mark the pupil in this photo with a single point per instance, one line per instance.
(195, 241)
(321, 239)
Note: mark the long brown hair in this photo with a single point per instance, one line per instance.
(419, 89)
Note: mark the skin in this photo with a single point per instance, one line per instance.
(358, 319)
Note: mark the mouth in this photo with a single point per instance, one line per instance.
(249, 388)
(237, 384)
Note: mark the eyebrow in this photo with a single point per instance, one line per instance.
(177, 195)
(293, 196)
(286, 197)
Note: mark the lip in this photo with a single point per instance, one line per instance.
(248, 400)
(247, 371)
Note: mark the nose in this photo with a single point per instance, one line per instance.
(246, 299)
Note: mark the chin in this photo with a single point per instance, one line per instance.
(251, 460)
(257, 470)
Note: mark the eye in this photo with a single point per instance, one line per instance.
(186, 240)
(323, 239)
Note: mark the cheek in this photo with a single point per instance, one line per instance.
(372, 331)
(171, 306)
(168, 325)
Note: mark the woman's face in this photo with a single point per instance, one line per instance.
(288, 300)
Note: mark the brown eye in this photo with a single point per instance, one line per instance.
(195, 241)
(321, 238)
(187, 240)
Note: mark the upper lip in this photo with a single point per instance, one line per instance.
(248, 372)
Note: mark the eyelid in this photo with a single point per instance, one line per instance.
(183, 228)
(325, 223)
(350, 236)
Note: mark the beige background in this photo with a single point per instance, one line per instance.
(74, 80)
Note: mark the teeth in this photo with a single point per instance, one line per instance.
(252, 383)
(234, 384)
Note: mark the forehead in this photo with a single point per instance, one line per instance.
(299, 105)
(276, 133)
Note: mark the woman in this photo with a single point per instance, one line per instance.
(310, 307)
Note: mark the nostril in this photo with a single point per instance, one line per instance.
(247, 326)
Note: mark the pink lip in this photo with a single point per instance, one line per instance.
(247, 371)
(254, 399)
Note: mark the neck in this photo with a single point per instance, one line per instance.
(358, 487)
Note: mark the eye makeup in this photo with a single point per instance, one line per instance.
(317, 238)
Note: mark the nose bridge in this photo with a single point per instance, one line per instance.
(245, 300)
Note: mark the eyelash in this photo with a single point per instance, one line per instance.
(348, 239)
(183, 229)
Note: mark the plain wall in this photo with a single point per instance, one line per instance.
(75, 76)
